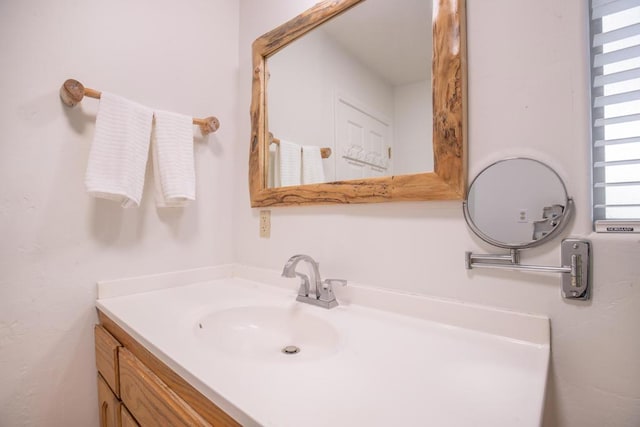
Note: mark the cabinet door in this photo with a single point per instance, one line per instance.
(107, 357)
(109, 405)
(127, 418)
(149, 399)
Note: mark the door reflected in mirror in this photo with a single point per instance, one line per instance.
(358, 85)
(517, 203)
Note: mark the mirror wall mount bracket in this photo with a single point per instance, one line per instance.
(575, 270)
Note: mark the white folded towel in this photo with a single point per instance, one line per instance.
(290, 163)
(118, 154)
(312, 170)
(273, 170)
(173, 162)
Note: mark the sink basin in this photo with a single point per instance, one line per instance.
(263, 332)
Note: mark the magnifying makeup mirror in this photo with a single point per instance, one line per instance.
(519, 203)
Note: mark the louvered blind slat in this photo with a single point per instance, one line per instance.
(616, 184)
(616, 120)
(615, 35)
(615, 6)
(620, 76)
(605, 142)
(616, 56)
(617, 163)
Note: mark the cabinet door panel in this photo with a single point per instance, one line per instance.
(109, 405)
(149, 399)
(107, 357)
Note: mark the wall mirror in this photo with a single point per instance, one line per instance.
(368, 99)
(517, 203)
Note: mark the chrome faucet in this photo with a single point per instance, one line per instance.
(322, 294)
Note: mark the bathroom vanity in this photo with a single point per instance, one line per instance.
(208, 347)
(132, 380)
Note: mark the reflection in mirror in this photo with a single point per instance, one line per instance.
(517, 203)
(359, 84)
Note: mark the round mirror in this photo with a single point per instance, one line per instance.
(517, 203)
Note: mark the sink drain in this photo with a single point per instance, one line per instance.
(291, 349)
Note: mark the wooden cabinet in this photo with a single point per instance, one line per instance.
(137, 389)
(108, 405)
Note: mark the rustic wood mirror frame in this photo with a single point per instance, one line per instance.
(449, 179)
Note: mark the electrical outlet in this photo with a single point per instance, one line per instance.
(265, 224)
(523, 215)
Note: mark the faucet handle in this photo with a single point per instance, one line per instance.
(326, 293)
(327, 283)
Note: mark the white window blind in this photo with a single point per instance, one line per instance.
(615, 96)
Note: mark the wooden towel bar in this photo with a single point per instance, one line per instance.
(325, 152)
(72, 92)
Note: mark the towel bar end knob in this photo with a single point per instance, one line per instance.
(71, 92)
(208, 125)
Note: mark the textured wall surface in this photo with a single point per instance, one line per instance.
(55, 241)
(528, 96)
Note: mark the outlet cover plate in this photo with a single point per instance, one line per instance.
(265, 224)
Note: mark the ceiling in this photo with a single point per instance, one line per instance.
(391, 37)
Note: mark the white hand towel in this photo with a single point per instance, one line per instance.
(290, 163)
(273, 174)
(118, 154)
(312, 170)
(173, 162)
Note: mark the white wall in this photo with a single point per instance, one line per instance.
(413, 128)
(527, 96)
(55, 241)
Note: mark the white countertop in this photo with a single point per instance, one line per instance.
(386, 368)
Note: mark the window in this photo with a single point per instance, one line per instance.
(615, 107)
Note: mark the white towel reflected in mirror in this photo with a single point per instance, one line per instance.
(312, 168)
(290, 163)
